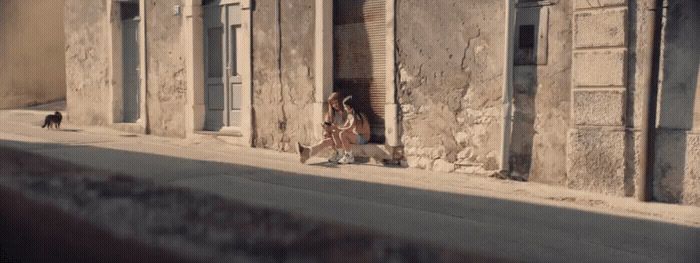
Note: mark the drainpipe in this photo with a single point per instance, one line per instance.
(507, 87)
(652, 12)
(144, 63)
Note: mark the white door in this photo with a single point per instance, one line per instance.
(222, 33)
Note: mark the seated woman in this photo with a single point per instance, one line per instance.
(355, 131)
(333, 119)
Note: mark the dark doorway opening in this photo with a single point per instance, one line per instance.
(359, 56)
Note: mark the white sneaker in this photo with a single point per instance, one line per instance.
(347, 159)
(335, 157)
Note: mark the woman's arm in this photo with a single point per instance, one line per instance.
(349, 123)
(328, 117)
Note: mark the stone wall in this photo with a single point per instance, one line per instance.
(541, 97)
(677, 167)
(450, 62)
(32, 56)
(283, 87)
(597, 158)
(89, 65)
(167, 87)
(87, 62)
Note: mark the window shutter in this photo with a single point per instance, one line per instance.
(360, 57)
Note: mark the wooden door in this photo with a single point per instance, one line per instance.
(130, 63)
(234, 36)
(222, 33)
(214, 67)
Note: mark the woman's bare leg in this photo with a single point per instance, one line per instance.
(337, 141)
(325, 143)
(348, 139)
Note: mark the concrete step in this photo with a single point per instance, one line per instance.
(379, 152)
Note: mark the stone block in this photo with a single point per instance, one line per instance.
(441, 165)
(599, 107)
(605, 28)
(596, 161)
(691, 180)
(584, 4)
(600, 68)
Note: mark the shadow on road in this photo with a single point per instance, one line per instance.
(509, 229)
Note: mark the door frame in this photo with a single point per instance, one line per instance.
(194, 48)
(323, 69)
(116, 71)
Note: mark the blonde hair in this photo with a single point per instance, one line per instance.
(335, 96)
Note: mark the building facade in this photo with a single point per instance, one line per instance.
(561, 104)
(32, 63)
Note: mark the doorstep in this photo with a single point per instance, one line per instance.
(128, 127)
(225, 131)
(380, 153)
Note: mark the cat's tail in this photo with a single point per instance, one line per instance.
(46, 123)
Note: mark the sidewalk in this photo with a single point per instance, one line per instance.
(524, 221)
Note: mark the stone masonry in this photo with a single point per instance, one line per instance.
(596, 144)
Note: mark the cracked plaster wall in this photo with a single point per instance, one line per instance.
(450, 63)
(87, 62)
(167, 87)
(88, 65)
(283, 88)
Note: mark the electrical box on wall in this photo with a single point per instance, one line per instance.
(531, 29)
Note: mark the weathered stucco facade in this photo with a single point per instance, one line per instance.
(283, 82)
(87, 62)
(578, 71)
(450, 83)
(165, 68)
(32, 62)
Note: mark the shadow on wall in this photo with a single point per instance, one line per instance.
(525, 85)
(677, 149)
(508, 229)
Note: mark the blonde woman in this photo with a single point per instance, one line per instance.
(333, 119)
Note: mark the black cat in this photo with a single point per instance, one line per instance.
(53, 120)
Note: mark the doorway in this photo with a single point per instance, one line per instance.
(359, 58)
(223, 81)
(130, 62)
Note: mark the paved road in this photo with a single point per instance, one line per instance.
(521, 221)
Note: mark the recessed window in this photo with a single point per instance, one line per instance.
(129, 11)
(209, 2)
(527, 37)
